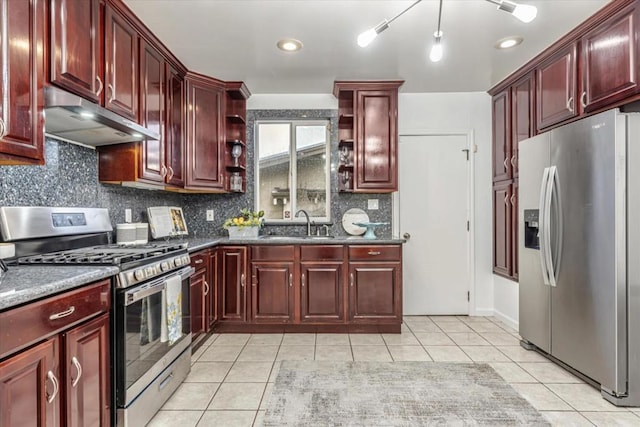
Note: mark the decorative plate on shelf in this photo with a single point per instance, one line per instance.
(352, 216)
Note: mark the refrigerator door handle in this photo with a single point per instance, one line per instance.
(547, 229)
(543, 226)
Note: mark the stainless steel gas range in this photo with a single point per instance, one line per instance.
(150, 326)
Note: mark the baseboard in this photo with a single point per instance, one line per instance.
(506, 319)
(485, 312)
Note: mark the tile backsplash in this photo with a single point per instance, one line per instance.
(70, 178)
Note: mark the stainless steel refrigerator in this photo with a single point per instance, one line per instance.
(579, 249)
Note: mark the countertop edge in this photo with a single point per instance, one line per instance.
(201, 243)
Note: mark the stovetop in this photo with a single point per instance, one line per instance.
(117, 255)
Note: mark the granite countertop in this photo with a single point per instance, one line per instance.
(29, 283)
(195, 244)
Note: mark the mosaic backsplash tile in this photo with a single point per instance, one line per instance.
(70, 178)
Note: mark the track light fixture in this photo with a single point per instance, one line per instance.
(523, 12)
(436, 50)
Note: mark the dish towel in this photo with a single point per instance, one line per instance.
(172, 313)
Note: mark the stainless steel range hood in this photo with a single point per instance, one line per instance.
(74, 119)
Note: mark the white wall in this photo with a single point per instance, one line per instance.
(462, 112)
(443, 112)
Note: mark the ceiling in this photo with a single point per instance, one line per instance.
(236, 40)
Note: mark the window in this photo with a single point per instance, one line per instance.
(293, 155)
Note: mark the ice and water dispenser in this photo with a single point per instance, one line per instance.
(531, 232)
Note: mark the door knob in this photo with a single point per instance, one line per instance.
(406, 235)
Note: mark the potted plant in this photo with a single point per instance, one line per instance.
(244, 226)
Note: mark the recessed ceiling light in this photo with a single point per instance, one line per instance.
(289, 45)
(508, 42)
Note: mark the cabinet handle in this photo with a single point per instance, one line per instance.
(110, 98)
(512, 200)
(303, 279)
(506, 167)
(56, 386)
(99, 80)
(206, 288)
(163, 171)
(62, 314)
(78, 367)
(242, 280)
(198, 261)
(2, 128)
(290, 279)
(254, 281)
(374, 253)
(351, 279)
(583, 99)
(513, 161)
(570, 104)
(506, 199)
(170, 173)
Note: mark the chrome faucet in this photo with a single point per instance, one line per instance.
(308, 220)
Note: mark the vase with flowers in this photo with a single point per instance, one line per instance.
(244, 226)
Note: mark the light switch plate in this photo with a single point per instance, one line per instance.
(372, 204)
(209, 214)
(127, 215)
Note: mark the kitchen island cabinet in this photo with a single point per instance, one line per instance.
(23, 73)
(54, 360)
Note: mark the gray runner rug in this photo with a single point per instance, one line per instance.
(395, 394)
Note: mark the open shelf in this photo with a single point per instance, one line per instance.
(236, 118)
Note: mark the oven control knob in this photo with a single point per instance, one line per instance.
(177, 262)
(139, 274)
(185, 260)
(164, 266)
(149, 271)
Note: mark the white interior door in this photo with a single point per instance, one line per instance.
(433, 208)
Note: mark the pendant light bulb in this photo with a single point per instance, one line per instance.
(525, 13)
(365, 38)
(436, 50)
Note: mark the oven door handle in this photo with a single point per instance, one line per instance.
(156, 286)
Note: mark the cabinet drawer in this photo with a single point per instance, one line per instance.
(321, 252)
(375, 253)
(199, 259)
(28, 324)
(273, 253)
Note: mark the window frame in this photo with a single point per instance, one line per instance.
(293, 169)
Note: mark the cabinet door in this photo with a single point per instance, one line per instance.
(514, 230)
(22, 92)
(211, 301)
(502, 228)
(501, 137)
(152, 82)
(76, 47)
(121, 65)
(376, 141)
(610, 55)
(28, 381)
(174, 130)
(204, 135)
(321, 292)
(233, 265)
(375, 290)
(556, 88)
(197, 296)
(522, 109)
(87, 381)
(272, 292)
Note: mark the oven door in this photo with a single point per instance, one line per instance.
(144, 347)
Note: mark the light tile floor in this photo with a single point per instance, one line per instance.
(232, 374)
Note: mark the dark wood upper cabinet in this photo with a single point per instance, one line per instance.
(272, 292)
(556, 88)
(502, 228)
(23, 76)
(322, 291)
(233, 280)
(501, 136)
(87, 364)
(368, 126)
(121, 65)
(204, 133)
(76, 47)
(522, 117)
(174, 128)
(610, 55)
(27, 381)
(152, 99)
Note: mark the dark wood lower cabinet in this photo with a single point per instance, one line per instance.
(197, 303)
(233, 278)
(27, 384)
(321, 292)
(272, 292)
(375, 291)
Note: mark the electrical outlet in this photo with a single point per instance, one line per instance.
(127, 215)
(209, 214)
(372, 204)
